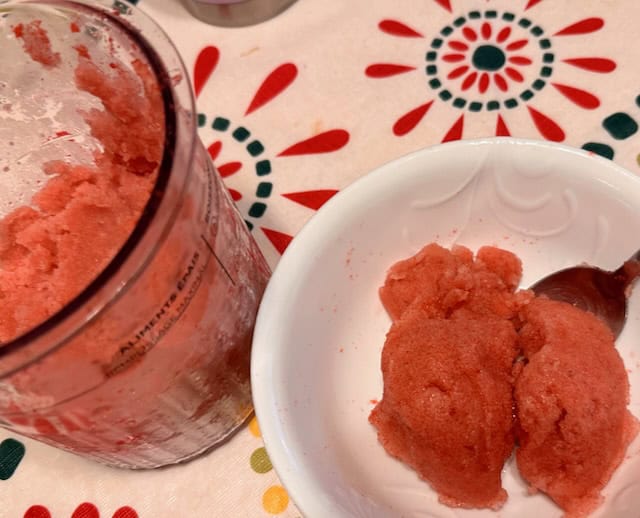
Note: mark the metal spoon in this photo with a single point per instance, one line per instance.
(602, 292)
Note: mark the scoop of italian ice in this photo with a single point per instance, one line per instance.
(571, 397)
(451, 284)
(447, 404)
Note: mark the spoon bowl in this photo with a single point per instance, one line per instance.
(599, 291)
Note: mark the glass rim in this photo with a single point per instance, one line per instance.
(111, 11)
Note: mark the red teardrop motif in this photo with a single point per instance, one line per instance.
(275, 83)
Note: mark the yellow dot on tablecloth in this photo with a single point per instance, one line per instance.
(275, 500)
(638, 159)
(254, 427)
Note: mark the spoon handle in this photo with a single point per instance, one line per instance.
(629, 271)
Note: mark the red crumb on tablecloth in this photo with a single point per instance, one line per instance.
(36, 43)
(572, 397)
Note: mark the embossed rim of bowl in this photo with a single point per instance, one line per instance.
(269, 346)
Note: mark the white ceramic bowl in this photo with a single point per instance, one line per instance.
(321, 326)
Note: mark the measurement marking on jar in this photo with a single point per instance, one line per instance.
(206, 242)
(163, 320)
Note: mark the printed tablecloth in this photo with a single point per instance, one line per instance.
(294, 109)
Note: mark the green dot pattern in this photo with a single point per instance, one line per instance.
(220, 124)
(263, 167)
(526, 95)
(490, 57)
(260, 462)
(11, 454)
(241, 134)
(264, 189)
(599, 149)
(255, 148)
(257, 209)
(538, 84)
(459, 102)
(620, 125)
(546, 71)
(537, 31)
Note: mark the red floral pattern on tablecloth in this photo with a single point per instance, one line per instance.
(492, 61)
(84, 510)
(480, 62)
(275, 83)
